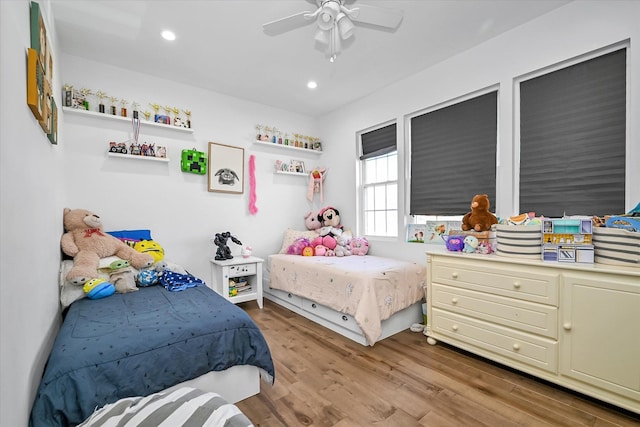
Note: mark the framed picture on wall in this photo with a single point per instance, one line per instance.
(297, 166)
(226, 168)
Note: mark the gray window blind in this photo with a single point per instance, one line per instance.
(453, 156)
(572, 139)
(378, 142)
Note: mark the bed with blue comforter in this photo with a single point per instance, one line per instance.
(140, 343)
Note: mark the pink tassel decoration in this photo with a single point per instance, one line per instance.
(253, 209)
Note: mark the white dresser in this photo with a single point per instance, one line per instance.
(577, 325)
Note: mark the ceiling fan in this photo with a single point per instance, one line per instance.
(336, 22)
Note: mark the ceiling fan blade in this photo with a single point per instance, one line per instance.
(289, 23)
(376, 15)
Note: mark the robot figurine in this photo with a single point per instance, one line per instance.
(220, 241)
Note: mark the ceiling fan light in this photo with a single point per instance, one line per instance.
(322, 36)
(345, 26)
(328, 14)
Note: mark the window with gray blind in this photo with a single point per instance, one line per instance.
(378, 142)
(453, 156)
(572, 139)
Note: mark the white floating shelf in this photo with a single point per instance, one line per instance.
(131, 156)
(292, 173)
(105, 116)
(289, 147)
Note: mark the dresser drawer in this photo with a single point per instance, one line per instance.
(525, 348)
(514, 281)
(343, 320)
(523, 315)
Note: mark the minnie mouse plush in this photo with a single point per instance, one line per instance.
(329, 217)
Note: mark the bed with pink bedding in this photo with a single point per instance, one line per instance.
(366, 298)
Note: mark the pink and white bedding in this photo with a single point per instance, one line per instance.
(370, 288)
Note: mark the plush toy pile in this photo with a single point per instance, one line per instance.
(85, 241)
(332, 239)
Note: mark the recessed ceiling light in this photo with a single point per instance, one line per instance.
(312, 84)
(168, 35)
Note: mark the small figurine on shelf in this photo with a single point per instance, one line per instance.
(161, 152)
(265, 135)
(147, 115)
(113, 106)
(188, 114)
(123, 108)
(101, 96)
(258, 132)
(84, 98)
(223, 252)
(286, 139)
(167, 117)
(134, 108)
(274, 138)
(68, 95)
(156, 108)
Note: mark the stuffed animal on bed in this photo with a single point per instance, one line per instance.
(85, 241)
(311, 221)
(122, 276)
(331, 228)
(479, 219)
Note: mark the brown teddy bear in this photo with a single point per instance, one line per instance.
(85, 241)
(479, 219)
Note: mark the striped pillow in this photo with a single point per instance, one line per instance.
(186, 407)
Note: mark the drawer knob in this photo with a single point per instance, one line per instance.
(454, 275)
(516, 285)
(454, 300)
(567, 326)
(289, 296)
(516, 346)
(345, 318)
(454, 327)
(313, 305)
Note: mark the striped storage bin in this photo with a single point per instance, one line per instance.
(616, 246)
(519, 241)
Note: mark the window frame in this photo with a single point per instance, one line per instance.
(360, 168)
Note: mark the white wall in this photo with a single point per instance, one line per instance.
(176, 206)
(31, 195)
(573, 30)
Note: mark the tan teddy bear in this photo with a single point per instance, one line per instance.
(479, 219)
(85, 241)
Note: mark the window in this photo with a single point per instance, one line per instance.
(572, 139)
(453, 156)
(379, 166)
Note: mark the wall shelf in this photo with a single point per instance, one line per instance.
(292, 173)
(131, 156)
(288, 147)
(144, 123)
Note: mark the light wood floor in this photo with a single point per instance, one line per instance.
(323, 379)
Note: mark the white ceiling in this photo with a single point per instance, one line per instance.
(221, 45)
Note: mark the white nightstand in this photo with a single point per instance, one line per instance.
(251, 268)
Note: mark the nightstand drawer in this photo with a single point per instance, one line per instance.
(522, 282)
(242, 270)
(522, 347)
(523, 315)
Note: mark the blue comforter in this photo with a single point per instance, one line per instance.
(139, 343)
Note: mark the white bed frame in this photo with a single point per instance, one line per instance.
(234, 384)
(343, 324)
